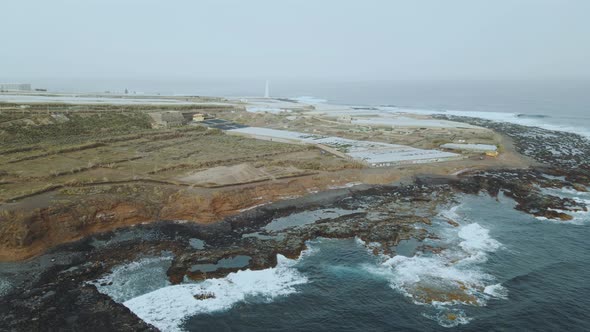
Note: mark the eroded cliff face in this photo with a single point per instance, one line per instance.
(27, 233)
(55, 287)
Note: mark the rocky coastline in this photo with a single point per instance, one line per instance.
(54, 291)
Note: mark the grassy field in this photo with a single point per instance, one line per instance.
(63, 146)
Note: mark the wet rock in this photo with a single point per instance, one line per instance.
(579, 187)
(452, 222)
(204, 296)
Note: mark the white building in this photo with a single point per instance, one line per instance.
(15, 87)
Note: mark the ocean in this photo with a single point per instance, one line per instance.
(523, 273)
(552, 104)
(535, 272)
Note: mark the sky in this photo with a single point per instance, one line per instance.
(287, 39)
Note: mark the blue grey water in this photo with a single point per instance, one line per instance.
(543, 267)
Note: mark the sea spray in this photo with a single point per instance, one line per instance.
(449, 278)
(133, 279)
(168, 307)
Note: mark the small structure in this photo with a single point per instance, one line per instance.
(167, 119)
(492, 153)
(15, 87)
(345, 118)
(267, 90)
(487, 149)
(199, 117)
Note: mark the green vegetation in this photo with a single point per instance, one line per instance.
(76, 147)
(77, 128)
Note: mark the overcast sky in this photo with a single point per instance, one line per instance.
(328, 39)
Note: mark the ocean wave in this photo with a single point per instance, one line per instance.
(454, 276)
(516, 118)
(497, 291)
(582, 197)
(309, 100)
(476, 239)
(168, 307)
(130, 280)
(447, 317)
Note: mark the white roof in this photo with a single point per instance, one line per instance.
(371, 152)
(472, 147)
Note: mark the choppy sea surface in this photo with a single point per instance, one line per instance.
(519, 273)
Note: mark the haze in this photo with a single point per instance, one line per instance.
(354, 40)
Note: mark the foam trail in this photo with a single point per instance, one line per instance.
(168, 307)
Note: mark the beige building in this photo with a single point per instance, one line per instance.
(167, 119)
(14, 87)
(198, 117)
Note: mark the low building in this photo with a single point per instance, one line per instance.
(487, 149)
(15, 87)
(167, 119)
(345, 119)
(492, 153)
(198, 117)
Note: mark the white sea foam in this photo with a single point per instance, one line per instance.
(544, 123)
(565, 192)
(476, 239)
(168, 307)
(451, 213)
(497, 291)
(449, 317)
(411, 275)
(5, 286)
(454, 275)
(579, 217)
(129, 280)
(309, 100)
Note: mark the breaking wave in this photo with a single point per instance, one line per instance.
(450, 277)
(580, 216)
(168, 307)
(135, 278)
(516, 118)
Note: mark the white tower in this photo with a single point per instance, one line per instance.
(267, 90)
